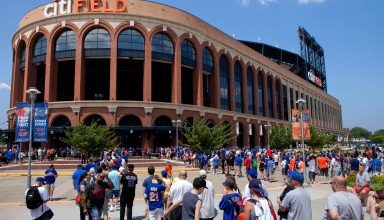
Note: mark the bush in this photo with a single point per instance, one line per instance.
(377, 182)
(351, 179)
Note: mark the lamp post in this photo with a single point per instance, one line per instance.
(301, 103)
(33, 92)
(267, 126)
(175, 124)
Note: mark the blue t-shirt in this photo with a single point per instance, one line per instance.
(270, 165)
(354, 164)
(89, 166)
(216, 161)
(115, 179)
(50, 175)
(76, 177)
(376, 165)
(228, 207)
(147, 181)
(153, 193)
(238, 161)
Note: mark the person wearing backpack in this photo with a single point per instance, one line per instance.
(258, 206)
(230, 201)
(36, 197)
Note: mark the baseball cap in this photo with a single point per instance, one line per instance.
(164, 173)
(295, 175)
(256, 185)
(199, 182)
(203, 173)
(230, 183)
(41, 180)
(79, 165)
(252, 173)
(131, 167)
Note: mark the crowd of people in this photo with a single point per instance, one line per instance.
(103, 185)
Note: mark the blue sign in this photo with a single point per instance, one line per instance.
(23, 112)
(40, 122)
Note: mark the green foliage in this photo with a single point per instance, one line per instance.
(359, 132)
(3, 138)
(351, 179)
(377, 182)
(319, 139)
(93, 139)
(378, 136)
(201, 136)
(281, 137)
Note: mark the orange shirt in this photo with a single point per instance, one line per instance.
(292, 165)
(168, 168)
(322, 161)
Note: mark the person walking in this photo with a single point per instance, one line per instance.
(128, 182)
(229, 201)
(153, 195)
(94, 196)
(167, 182)
(238, 167)
(36, 198)
(298, 201)
(114, 193)
(176, 193)
(258, 206)
(85, 180)
(342, 204)
(50, 179)
(207, 211)
(76, 177)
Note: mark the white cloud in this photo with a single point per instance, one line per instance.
(5, 86)
(244, 2)
(267, 2)
(304, 2)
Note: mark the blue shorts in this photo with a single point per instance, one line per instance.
(115, 193)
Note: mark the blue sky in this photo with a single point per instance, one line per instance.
(351, 33)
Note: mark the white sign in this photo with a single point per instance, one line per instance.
(61, 7)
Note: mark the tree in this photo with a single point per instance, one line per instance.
(201, 136)
(3, 138)
(359, 132)
(93, 139)
(319, 139)
(280, 137)
(378, 136)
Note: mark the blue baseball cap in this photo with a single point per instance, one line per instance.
(256, 185)
(41, 180)
(295, 175)
(252, 173)
(164, 173)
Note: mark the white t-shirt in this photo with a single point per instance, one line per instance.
(208, 201)
(35, 213)
(178, 189)
(276, 158)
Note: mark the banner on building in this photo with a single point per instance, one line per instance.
(296, 128)
(40, 122)
(23, 112)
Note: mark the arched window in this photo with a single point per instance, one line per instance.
(260, 89)
(22, 58)
(250, 92)
(130, 120)
(39, 49)
(130, 44)
(239, 87)
(278, 103)
(208, 65)
(224, 83)
(162, 48)
(66, 45)
(61, 121)
(270, 97)
(97, 43)
(94, 119)
(188, 54)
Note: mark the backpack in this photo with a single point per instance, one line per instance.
(33, 198)
(239, 208)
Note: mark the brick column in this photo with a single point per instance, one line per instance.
(256, 92)
(147, 78)
(113, 70)
(274, 101)
(27, 72)
(282, 101)
(50, 73)
(289, 103)
(244, 94)
(79, 71)
(257, 134)
(265, 96)
(176, 75)
(198, 79)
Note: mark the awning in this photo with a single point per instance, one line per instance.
(142, 128)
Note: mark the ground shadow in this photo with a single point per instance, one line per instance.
(139, 217)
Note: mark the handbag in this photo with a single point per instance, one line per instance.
(78, 199)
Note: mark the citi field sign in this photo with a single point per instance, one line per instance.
(65, 7)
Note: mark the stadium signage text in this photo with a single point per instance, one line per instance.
(314, 79)
(64, 7)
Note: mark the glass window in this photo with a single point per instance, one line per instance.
(250, 92)
(238, 88)
(188, 53)
(131, 44)
(278, 103)
(270, 97)
(208, 65)
(224, 83)
(285, 101)
(260, 88)
(39, 49)
(162, 47)
(22, 58)
(66, 45)
(97, 43)
(291, 97)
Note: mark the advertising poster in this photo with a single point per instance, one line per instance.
(23, 111)
(296, 128)
(40, 125)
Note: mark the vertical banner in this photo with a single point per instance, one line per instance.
(23, 112)
(40, 125)
(296, 128)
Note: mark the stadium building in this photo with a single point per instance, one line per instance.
(139, 65)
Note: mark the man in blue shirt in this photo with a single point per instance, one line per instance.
(230, 200)
(76, 177)
(376, 165)
(90, 164)
(50, 179)
(154, 194)
(238, 165)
